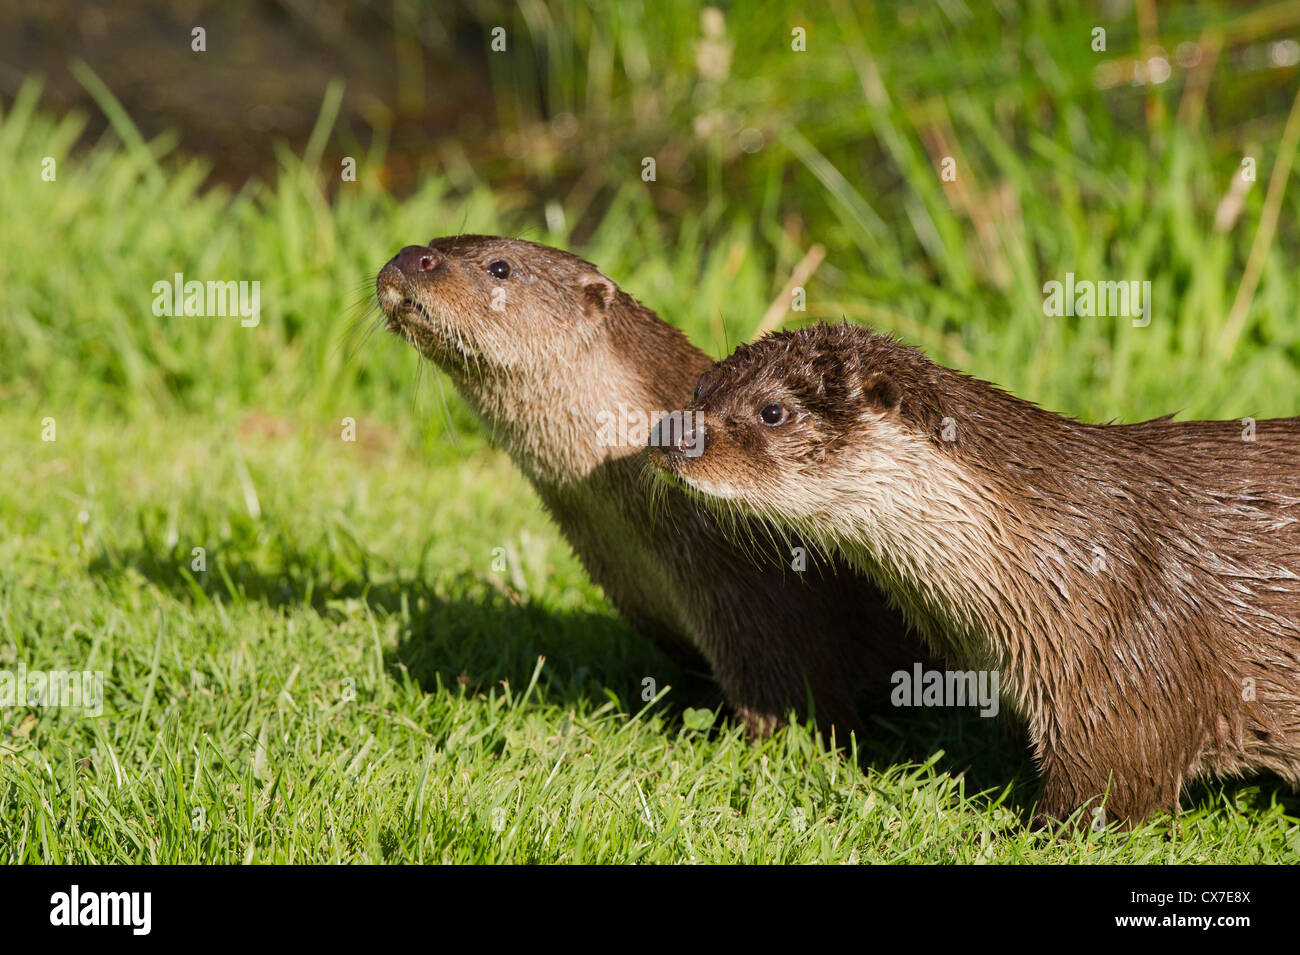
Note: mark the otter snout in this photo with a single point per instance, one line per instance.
(399, 277)
(679, 434)
(416, 258)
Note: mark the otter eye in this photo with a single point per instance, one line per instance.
(696, 395)
(500, 268)
(772, 414)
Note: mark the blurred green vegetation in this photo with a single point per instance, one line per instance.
(330, 560)
(1054, 175)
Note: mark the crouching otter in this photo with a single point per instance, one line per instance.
(1136, 586)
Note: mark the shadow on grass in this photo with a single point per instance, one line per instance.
(478, 641)
(994, 753)
(991, 754)
(488, 637)
(1251, 794)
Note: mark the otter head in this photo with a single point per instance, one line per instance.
(798, 425)
(492, 303)
(544, 348)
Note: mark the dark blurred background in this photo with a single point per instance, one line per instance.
(1105, 139)
(585, 81)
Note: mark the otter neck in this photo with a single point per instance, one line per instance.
(595, 407)
(981, 580)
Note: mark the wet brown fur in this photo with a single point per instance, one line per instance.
(1138, 586)
(566, 344)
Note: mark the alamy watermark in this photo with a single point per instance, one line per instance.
(922, 687)
(195, 299)
(53, 688)
(1087, 298)
(133, 910)
(630, 427)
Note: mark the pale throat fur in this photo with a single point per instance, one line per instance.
(917, 521)
(535, 395)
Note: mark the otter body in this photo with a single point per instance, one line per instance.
(551, 354)
(1136, 586)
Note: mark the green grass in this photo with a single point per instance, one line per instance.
(229, 735)
(354, 677)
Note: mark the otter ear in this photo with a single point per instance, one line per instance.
(882, 391)
(598, 295)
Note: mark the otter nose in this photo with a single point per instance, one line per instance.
(417, 258)
(679, 434)
(692, 440)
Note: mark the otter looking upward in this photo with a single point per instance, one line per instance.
(547, 351)
(1137, 586)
